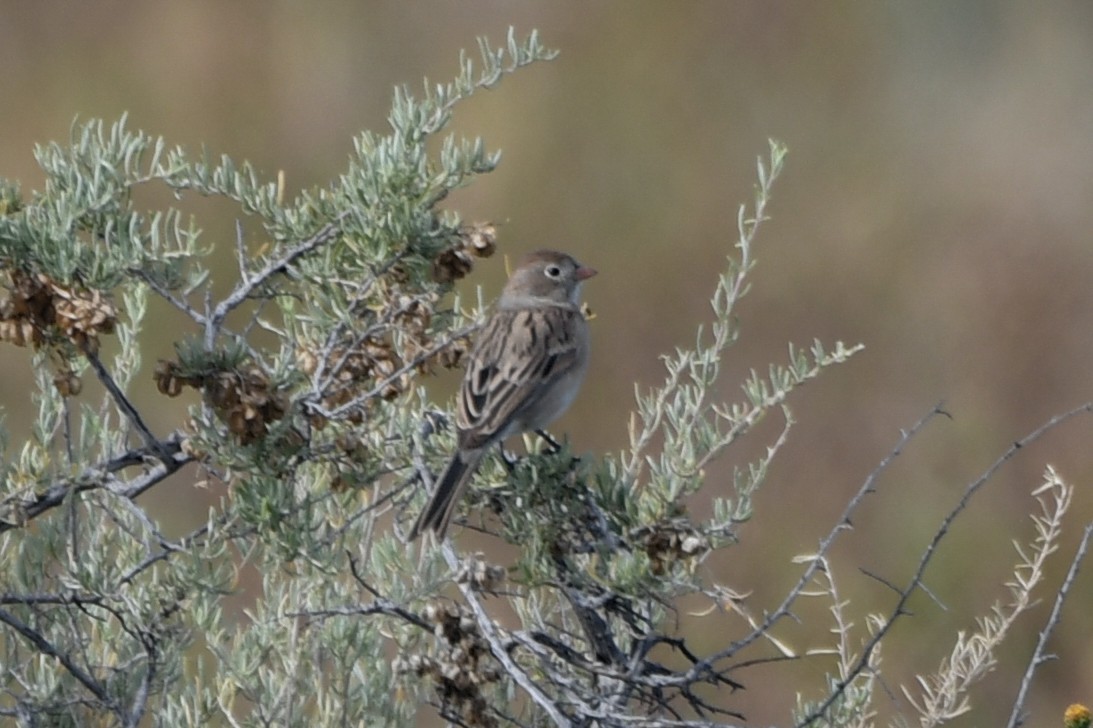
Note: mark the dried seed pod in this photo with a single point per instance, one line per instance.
(67, 383)
(451, 265)
(480, 239)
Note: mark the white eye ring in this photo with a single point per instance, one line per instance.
(553, 271)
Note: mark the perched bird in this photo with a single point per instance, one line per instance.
(523, 372)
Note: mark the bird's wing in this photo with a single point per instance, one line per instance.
(516, 359)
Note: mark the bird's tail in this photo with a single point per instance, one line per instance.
(438, 511)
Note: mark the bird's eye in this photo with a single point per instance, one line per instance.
(553, 271)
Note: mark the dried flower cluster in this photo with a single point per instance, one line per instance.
(37, 308)
(380, 363)
(413, 320)
(475, 241)
(348, 369)
(669, 542)
(67, 382)
(460, 671)
(243, 397)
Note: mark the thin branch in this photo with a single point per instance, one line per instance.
(378, 606)
(241, 252)
(166, 295)
(489, 633)
(123, 404)
(168, 549)
(140, 700)
(46, 648)
(597, 631)
(55, 599)
(783, 609)
(927, 557)
(1038, 656)
(244, 290)
(326, 372)
(334, 337)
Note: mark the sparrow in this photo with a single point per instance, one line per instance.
(523, 372)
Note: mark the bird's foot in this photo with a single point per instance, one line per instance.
(508, 459)
(553, 446)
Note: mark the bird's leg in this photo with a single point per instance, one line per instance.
(553, 445)
(507, 459)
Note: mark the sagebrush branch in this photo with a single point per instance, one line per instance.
(167, 458)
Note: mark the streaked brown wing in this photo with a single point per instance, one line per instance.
(516, 359)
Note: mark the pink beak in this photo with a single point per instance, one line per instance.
(584, 273)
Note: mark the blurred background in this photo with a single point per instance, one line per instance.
(937, 206)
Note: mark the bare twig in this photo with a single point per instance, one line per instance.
(249, 283)
(1038, 657)
(170, 298)
(52, 599)
(123, 404)
(783, 609)
(379, 606)
(168, 548)
(927, 557)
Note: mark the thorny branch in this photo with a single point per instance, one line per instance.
(706, 666)
(900, 609)
(1017, 717)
